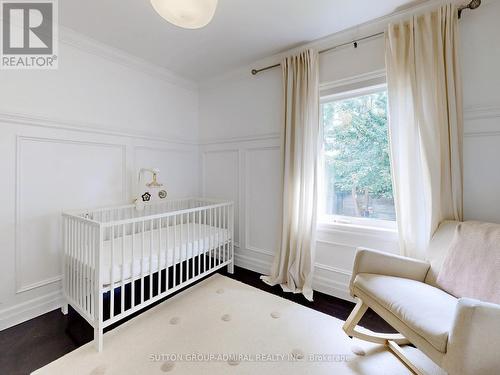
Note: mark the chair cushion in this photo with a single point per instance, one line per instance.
(426, 310)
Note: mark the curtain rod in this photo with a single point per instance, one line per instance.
(353, 42)
(474, 4)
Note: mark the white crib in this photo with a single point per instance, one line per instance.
(121, 260)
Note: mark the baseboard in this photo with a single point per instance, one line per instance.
(332, 288)
(247, 259)
(328, 284)
(251, 263)
(31, 309)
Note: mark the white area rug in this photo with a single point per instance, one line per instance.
(222, 326)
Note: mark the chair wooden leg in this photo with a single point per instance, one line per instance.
(392, 341)
(350, 327)
(398, 352)
(354, 317)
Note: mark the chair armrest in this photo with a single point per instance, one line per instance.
(380, 263)
(474, 339)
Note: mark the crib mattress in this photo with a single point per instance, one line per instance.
(160, 248)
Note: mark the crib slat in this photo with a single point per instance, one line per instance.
(122, 286)
(190, 244)
(65, 256)
(132, 263)
(92, 271)
(150, 259)
(90, 267)
(75, 266)
(174, 259)
(215, 236)
(142, 263)
(228, 223)
(181, 251)
(232, 234)
(224, 224)
(207, 254)
(210, 259)
(167, 229)
(87, 268)
(219, 221)
(205, 241)
(214, 231)
(214, 211)
(80, 276)
(71, 258)
(226, 242)
(82, 265)
(75, 260)
(199, 241)
(111, 275)
(159, 256)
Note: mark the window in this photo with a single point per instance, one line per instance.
(357, 175)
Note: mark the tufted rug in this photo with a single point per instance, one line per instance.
(222, 326)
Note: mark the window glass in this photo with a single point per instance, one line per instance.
(357, 173)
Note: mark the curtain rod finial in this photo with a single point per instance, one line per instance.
(254, 71)
(474, 4)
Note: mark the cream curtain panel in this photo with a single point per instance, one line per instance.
(426, 125)
(293, 264)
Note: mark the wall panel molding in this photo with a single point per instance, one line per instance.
(204, 154)
(479, 134)
(249, 138)
(20, 139)
(30, 119)
(229, 150)
(481, 112)
(247, 178)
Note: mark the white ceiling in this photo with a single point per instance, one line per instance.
(242, 31)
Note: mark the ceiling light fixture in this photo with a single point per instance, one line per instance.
(188, 14)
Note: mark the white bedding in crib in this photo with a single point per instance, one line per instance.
(202, 238)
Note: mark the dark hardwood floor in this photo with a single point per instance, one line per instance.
(39, 341)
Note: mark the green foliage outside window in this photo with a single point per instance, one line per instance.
(356, 150)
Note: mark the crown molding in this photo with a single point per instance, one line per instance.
(86, 44)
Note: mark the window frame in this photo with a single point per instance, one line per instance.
(342, 221)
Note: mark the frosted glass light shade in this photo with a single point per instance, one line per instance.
(189, 14)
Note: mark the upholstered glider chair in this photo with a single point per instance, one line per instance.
(461, 335)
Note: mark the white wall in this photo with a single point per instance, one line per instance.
(240, 121)
(75, 138)
(480, 66)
